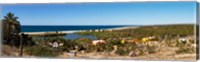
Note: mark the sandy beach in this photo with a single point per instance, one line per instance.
(74, 31)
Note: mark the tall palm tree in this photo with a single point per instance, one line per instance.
(11, 27)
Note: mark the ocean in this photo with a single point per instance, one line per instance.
(64, 28)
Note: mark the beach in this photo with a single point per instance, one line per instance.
(75, 31)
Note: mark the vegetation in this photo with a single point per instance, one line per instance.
(114, 39)
(162, 31)
(69, 45)
(41, 51)
(122, 51)
(185, 50)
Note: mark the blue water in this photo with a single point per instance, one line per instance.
(63, 28)
(76, 36)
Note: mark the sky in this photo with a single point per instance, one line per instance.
(126, 13)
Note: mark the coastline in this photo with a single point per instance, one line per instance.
(74, 31)
(122, 28)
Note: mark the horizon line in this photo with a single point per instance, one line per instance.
(114, 25)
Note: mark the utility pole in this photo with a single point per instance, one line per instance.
(21, 44)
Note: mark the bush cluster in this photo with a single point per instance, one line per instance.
(40, 51)
(185, 50)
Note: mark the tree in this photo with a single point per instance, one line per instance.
(11, 29)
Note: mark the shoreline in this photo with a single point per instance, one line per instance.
(74, 31)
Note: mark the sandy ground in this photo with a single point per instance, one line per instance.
(8, 51)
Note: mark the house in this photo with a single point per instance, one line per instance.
(183, 40)
(95, 42)
(147, 39)
(135, 40)
(144, 40)
(55, 44)
(122, 41)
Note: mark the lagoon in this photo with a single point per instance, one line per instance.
(73, 36)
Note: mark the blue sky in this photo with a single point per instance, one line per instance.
(132, 13)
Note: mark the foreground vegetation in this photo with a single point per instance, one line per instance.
(114, 38)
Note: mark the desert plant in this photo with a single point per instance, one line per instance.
(69, 45)
(109, 47)
(185, 50)
(151, 49)
(121, 51)
(40, 51)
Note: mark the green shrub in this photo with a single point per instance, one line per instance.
(116, 42)
(185, 50)
(69, 45)
(109, 47)
(91, 48)
(83, 41)
(40, 51)
(151, 49)
(121, 52)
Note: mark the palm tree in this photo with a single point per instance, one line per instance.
(11, 29)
